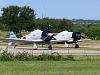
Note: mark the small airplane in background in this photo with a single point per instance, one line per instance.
(46, 37)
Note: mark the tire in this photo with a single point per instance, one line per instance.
(76, 46)
(50, 47)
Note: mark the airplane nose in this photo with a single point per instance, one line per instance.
(76, 36)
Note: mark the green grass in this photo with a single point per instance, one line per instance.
(50, 68)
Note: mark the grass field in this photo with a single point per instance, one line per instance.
(50, 68)
(83, 65)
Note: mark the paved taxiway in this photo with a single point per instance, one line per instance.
(40, 51)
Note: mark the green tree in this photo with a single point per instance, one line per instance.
(66, 24)
(10, 16)
(55, 25)
(18, 18)
(27, 16)
(93, 32)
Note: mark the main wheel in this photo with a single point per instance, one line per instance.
(76, 46)
(50, 47)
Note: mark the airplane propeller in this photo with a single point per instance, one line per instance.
(47, 36)
(77, 36)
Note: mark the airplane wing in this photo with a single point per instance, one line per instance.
(63, 41)
(20, 41)
(24, 41)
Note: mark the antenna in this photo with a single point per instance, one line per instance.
(44, 9)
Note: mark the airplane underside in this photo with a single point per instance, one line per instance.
(35, 47)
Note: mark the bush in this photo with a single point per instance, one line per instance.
(22, 56)
(70, 57)
(42, 57)
(55, 56)
(6, 56)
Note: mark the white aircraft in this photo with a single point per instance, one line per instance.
(38, 36)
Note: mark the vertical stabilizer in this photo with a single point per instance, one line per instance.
(12, 35)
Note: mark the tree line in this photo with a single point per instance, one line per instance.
(16, 19)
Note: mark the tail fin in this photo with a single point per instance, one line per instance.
(12, 35)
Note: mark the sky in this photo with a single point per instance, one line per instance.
(69, 9)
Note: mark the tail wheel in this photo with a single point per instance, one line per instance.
(15, 46)
(76, 46)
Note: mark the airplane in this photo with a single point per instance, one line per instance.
(46, 37)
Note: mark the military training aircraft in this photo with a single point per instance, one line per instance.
(46, 37)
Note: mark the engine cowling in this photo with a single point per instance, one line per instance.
(76, 36)
(46, 35)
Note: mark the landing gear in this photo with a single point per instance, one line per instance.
(66, 45)
(35, 46)
(50, 47)
(76, 46)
